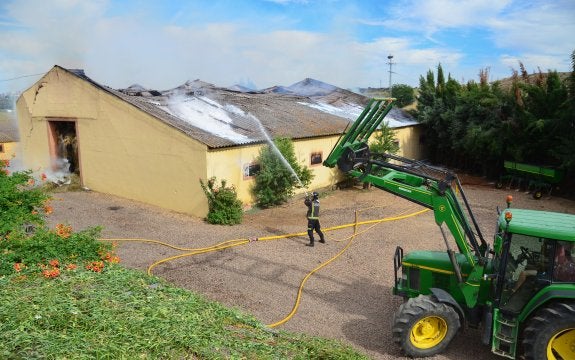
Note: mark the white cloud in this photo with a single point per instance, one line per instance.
(285, 2)
(136, 47)
(547, 30)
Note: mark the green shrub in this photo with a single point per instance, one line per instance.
(224, 206)
(22, 203)
(404, 94)
(384, 141)
(275, 182)
(49, 251)
(27, 246)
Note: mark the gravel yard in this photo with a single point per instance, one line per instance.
(349, 299)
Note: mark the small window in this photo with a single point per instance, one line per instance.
(250, 170)
(396, 142)
(1, 148)
(316, 158)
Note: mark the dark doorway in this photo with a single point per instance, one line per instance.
(64, 146)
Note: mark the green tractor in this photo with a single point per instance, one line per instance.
(520, 291)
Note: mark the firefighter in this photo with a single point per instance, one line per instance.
(313, 218)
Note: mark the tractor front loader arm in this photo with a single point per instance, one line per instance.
(352, 146)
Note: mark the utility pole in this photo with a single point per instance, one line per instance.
(390, 58)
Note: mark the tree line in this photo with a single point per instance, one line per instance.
(476, 126)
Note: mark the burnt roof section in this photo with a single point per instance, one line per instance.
(280, 115)
(6, 138)
(8, 127)
(221, 117)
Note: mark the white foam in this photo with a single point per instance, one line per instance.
(348, 111)
(205, 114)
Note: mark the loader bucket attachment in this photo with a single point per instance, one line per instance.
(352, 146)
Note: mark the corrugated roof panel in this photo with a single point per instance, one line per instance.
(219, 117)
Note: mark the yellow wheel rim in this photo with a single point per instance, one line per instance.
(562, 345)
(428, 332)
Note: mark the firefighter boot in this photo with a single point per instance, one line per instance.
(310, 234)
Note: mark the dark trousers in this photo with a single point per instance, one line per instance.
(313, 224)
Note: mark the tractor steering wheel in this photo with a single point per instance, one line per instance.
(525, 254)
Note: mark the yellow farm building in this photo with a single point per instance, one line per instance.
(154, 146)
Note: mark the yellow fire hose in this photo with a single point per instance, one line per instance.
(237, 242)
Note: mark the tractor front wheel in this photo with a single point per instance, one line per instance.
(424, 327)
(550, 334)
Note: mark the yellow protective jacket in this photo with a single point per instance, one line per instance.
(312, 209)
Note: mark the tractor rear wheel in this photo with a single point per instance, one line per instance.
(550, 334)
(424, 327)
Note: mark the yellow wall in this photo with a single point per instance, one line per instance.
(229, 163)
(409, 144)
(122, 150)
(323, 176)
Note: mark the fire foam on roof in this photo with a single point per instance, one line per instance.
(205, 114)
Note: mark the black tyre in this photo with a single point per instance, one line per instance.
(550, 333)
(424, 327)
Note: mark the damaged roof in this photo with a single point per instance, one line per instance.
(8, 127)
(222, 117)
(6, 138)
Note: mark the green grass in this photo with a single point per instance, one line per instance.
(126, 314)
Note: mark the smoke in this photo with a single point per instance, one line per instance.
(61, 174)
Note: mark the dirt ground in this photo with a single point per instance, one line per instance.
(348, 299)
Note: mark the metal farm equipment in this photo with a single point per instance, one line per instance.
(519, 289)
(535, 179)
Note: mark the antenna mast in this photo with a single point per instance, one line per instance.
(390, 63)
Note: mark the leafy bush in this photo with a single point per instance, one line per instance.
(54, 250)
(384, 140)
(224, 206)
(404, 94)
(21, 202)
(275, 182)
(23, 206)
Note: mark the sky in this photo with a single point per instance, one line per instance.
(263, 43)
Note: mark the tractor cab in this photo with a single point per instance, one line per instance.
(534, 263)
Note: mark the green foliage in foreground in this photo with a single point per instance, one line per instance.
(68, 249)
(125, 314)
(21, 203)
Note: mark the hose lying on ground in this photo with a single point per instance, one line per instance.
(238, 242)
